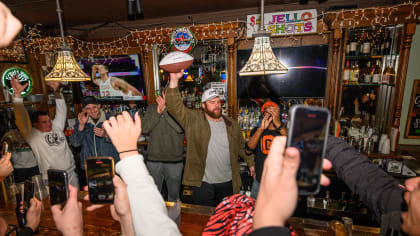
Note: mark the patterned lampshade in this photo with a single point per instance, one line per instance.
(66, 67)
(262, 60)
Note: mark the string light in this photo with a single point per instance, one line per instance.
(143, 39)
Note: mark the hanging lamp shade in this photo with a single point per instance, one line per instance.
(66, 67)
(262, 60)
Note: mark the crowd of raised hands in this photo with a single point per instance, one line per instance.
(275, 204)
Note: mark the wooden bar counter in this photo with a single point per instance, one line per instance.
(193, 220)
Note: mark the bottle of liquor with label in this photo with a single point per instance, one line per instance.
(353, 45)
(346, 74)
(366, 44)
(356, 73)
(386, 44)
(377, 73)
(342, 203)
(387, 74)
(367, 73)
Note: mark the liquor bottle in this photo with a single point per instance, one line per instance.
(342, 203)
(367, 73)
(346, 74)
(387, 44)
(353, 45)
(377, 73)
(348, 48)
(366, 44)
(327, 201)
(356, 71)
(374, 49)
(387, 74)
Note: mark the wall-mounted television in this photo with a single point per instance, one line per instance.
(124, 81)
(306, 78)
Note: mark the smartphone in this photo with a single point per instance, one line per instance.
(4, 149)
(28, 193)
(99, 174)
(59, 186)
(308, 132)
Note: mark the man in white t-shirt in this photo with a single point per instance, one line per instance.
(111, 86)
(45, 137)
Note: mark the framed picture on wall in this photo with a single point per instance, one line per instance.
(412, 129)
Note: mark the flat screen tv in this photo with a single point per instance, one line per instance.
(124, 82)
(306, 78)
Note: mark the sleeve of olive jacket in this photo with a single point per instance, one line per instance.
(23, 122)
(176, 107)
(148, 209)
(378, 190)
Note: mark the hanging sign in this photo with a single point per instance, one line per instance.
(183, 40)
(23, 76)
(284, 23)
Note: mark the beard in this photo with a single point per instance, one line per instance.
(212, 114)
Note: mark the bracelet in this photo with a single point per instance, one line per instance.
(132, 150)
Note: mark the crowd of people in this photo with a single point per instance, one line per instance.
(211, 164)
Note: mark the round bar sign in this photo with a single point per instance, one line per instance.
(183, 40)
(23, 76)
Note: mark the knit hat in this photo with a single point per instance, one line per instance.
(89, 100)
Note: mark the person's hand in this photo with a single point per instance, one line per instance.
(275, 114)
(3, 224)
(83, 118)
(17, 87)
(174, 78)
(100, 132)
(6, 167)
(95, 68)
(265, 122)
(252, 170)
(277, 197)
(124, 132)
(120, 210)
(33, 216)
(160, 100)
(55, 85)
(411, 218)
(9, 26)
(69, 221)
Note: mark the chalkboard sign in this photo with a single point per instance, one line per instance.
(412, 129)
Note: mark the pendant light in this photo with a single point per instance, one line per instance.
(262, 60)
(65, 68)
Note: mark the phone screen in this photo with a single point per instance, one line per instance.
(308, 133)
(28, 193)
(99, 175)
(58, 184)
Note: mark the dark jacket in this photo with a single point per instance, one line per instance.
(166, 137)
(378, 190)
(197, 133)
(89, 141)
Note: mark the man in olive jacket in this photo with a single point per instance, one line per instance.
(214, 143)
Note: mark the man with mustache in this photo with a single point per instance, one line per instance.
(214, 143)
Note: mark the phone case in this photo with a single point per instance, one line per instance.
(290, 125)
(52, 173)
(87, 176)
(4, 149)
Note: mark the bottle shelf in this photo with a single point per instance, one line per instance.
(368, 57)
(367, 84)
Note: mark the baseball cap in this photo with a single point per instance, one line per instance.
(209, 94)
(268, 104)
(89, 100)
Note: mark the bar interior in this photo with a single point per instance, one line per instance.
(210, 85)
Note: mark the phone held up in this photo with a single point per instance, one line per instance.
(5, 148)
(59, 186)
(99, 173)
(308, 132)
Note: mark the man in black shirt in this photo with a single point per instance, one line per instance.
(261, 139)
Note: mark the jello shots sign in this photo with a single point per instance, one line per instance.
(284, 23)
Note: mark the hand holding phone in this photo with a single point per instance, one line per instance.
(58, 185)
(308, 132)
(100, 172)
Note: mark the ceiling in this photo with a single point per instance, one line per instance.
(77, 12)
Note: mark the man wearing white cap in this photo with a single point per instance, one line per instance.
(214, 143)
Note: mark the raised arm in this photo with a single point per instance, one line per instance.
(23, 121)
(125, 86)
(60, 108)
(378, 190)
(174, 102)
(148, 209)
